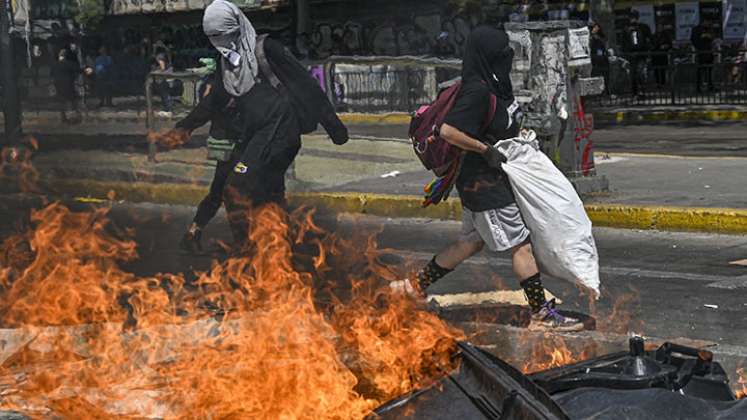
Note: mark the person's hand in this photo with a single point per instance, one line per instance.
(170, 139)
(88, 71)
(493, 157)
(340, 136)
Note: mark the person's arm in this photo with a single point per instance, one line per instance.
(461, 140)
(210, 105)
(457, 138)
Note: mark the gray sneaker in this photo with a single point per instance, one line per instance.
(549, 319)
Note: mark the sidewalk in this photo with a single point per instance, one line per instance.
(44, 119)
(381, 176)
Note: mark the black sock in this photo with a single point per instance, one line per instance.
(534, 291)
(431, 273)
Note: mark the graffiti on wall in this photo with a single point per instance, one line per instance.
(425, 34)
(125, 7)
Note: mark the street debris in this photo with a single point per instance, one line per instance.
(711, 306)
(391, 174)
(742, 263)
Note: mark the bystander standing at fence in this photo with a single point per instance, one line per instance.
(702, 38)
(104, 71)
(600, 65)
(636, 43)
(662, 49)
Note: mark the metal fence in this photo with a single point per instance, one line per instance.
(675, 78)
(385, 88)
(381, 84)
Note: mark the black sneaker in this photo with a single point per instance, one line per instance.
(190, 242)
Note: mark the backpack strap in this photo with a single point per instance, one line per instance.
(491, 112)
(264, 65)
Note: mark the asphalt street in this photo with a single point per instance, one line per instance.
(660, 284)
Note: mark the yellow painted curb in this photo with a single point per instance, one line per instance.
(723, 220)
(391, 118)
(633, 116)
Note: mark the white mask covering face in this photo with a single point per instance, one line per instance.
(227, 47)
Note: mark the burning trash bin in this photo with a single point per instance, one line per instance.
(551, 78)
(671, 382)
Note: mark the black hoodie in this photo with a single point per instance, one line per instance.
(311, 106)
(486, 70)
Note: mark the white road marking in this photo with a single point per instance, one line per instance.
(617, 271)
(513, 297)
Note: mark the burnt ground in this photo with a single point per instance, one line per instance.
(668, 276)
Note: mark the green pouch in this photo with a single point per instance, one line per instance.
(219, 149)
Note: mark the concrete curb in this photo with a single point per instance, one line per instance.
(394, 118)
(715, 220)
(403, 118)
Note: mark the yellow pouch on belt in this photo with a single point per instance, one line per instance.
(219, 149)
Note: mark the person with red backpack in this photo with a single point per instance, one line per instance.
(482, 112)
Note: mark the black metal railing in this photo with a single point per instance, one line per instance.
(375, 84)
(678, 78)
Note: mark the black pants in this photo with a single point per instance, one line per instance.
(705, 73)
(210, 205)
(104, 91)
(637, 72)
(163, 90)
(262, 184)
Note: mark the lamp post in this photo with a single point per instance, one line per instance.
(11, 100)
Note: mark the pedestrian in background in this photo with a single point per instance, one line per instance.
(636, 44)
(162, 87)
(600, 64)
(64, 73)
(662, 48)
(702, 38)
(103, 68)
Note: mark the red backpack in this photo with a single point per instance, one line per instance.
(435, 153)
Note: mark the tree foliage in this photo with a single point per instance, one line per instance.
(90, 13)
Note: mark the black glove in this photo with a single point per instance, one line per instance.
(340, 136)
(494, 157)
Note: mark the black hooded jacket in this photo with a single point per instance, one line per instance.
(265, 106)
(225, 123)
(486, 70)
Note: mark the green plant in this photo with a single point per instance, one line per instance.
(90, 13)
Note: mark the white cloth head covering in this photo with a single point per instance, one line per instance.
(233, 36)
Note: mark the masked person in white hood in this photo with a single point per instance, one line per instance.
(273, 116)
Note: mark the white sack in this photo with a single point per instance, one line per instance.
(554, 214)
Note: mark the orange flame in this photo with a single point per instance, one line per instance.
(279, 334)
(741, 391)
(552, 351)
(15, 162)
